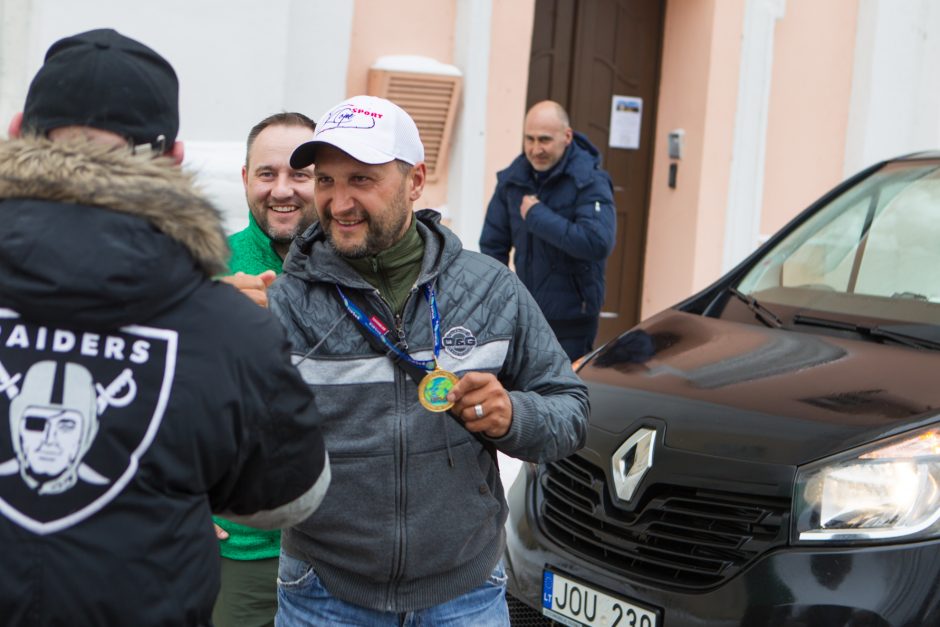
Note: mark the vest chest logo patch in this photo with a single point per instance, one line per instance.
(459, 342)
(82, 408)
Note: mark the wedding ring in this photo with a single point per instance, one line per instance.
(478, 410)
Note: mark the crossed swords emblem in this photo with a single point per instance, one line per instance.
(107, 396)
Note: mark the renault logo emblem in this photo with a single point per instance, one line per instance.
(632, 461)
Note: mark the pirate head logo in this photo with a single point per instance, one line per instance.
(53, 422)
(55, 467)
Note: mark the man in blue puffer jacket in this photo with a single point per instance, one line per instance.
(555, 205)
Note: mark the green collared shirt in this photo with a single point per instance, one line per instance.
(253, 251)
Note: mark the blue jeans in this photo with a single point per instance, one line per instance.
(303, 601)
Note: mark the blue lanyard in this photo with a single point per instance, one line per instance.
(372, 324)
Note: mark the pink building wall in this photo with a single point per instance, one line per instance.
(807, 122)
(814, 47)
(698, 90)
(381, 28)
(509, 70)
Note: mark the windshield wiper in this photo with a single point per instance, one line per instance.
(869, 330)
(762, 313)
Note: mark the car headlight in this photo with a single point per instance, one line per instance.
(889, 490)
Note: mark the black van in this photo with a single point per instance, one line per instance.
(766, 452)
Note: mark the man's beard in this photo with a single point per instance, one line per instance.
(380, 235)
(280, 236)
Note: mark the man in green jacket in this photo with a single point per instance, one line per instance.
(280, 203)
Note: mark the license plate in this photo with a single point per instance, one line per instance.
(575, 604)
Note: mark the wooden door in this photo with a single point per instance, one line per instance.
(583, 53)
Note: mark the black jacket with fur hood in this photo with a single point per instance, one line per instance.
(140, 395)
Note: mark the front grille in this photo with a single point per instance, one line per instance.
(521, 615)
(680, 537)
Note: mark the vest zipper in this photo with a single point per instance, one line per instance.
(400, 330)
(401, 390)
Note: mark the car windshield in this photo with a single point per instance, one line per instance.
(873, 252)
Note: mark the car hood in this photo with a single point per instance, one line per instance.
(746, 392)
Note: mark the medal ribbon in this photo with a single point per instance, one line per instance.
(369, 324)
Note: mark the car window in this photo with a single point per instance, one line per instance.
(872, 251)
(824, 260)
(902, 252)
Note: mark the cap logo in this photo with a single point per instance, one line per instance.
(369, 129)
(349, 117)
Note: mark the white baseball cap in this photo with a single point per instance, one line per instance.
(369, 129)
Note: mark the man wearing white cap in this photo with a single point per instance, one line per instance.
(424, 359)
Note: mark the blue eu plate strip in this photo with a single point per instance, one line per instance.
(547, 579)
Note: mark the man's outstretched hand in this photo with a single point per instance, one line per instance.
(254, 286)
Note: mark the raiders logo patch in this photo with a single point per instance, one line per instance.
(82, 408)
(458, 342)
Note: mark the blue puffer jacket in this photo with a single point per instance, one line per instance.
(562, 245)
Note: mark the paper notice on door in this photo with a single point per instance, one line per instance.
(625, 115)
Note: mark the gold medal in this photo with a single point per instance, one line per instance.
(433, 389)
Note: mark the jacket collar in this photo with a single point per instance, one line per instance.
(84, 173)
(313, 259)
(263, 242)
(578, 162)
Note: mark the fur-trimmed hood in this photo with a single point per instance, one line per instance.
(97, 238)
(88, 174)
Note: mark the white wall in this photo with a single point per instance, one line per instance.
(14, 39)
(746, 185)
(468, 157)
(895, 104)
(238, 61)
